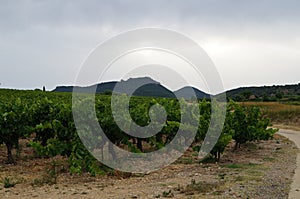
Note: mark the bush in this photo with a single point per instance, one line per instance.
(248, 125)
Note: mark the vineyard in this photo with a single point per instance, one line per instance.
(47, 120)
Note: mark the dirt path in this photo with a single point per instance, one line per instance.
(257, 170)
(295, 187)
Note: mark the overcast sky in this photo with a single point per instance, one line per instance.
(43, 43)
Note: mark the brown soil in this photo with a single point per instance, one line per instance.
(257, 170)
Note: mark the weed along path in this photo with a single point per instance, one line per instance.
(295, 187)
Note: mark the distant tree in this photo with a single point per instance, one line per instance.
(266, 98)
(44, 88)
(239, 98)
(247, 94)
(107, 92)
(279, 95)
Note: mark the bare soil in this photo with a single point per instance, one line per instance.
(257, 170)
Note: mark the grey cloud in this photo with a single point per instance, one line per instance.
(54, 35)
(27, 13)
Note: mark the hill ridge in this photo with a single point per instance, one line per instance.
(153, 88)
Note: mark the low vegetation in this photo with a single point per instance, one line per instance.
(47, 118)
(283, 114)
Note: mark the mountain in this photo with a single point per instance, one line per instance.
(150, 88)
(154, 90)
(187, 93)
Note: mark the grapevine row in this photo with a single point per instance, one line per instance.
(48, 118)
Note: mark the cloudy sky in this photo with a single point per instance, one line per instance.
(44, 43)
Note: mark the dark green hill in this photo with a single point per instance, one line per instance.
(152, 88)
(266, 93)
(186, 92)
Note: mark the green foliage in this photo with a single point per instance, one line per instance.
(205, 123)
(44, 112)
(265, 93)
(7, 183)
(248, 125)
(52, 148)
(50, 117)
(13, 124)
(81, 160)
(168, 194)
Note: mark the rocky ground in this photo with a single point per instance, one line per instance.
(257, 170)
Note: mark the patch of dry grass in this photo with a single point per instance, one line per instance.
(281, 114)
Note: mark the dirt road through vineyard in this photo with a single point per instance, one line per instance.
(295, 187)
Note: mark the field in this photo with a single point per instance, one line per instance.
(284, 115)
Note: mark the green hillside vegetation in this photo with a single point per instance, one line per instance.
(266, 93)
(152, 88)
